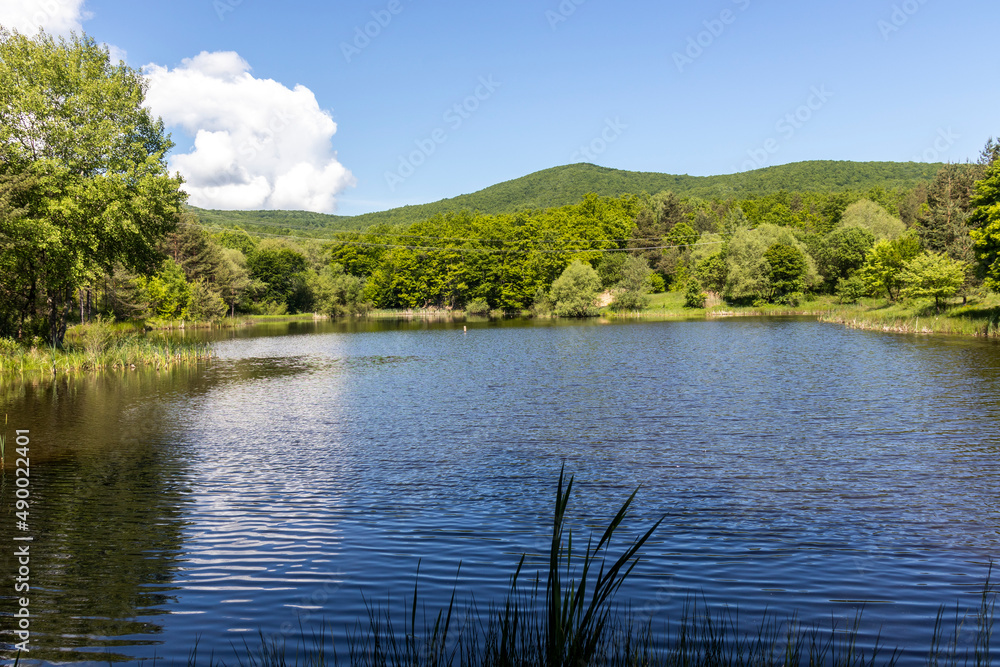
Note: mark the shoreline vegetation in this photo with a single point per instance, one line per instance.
(129, 346)
(775, 241)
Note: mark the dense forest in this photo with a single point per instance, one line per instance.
(774, 248)
(562, 186)
(92, 224)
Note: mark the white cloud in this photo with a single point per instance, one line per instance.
(57, 17)
(258, 144)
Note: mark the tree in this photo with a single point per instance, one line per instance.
(575, 292)
(932, 275)
(869, 215)
(985, 220)
(843, 252)
(748, 273)
(787, 270)
(281, 269)
(167, 293)
(885, 263)
(632, 291)
(233, 277)
(87, 163)
(694, 297)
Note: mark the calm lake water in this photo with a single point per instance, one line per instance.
(801, 467)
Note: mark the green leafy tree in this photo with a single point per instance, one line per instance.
(869, 215)
(682, 235)
(932, 275)
(338, 293)
(986, 222)
(844, 251)
(574, 293)
(281, 269)
(885, 262)
(748, 273)
(851, 290)
(610, 269)
(87, 163)
(167, 293)
(711, 272)
(632, 291)
(694, 297)
(232, 278)
(786, 270)
(205, 302)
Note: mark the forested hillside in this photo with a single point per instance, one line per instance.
(562, 186)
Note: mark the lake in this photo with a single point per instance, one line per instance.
(311, 468)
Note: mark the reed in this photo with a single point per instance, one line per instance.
(106, 350)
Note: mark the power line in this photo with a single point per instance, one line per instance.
(485, 251)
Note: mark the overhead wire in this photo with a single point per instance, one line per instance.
(516, 245)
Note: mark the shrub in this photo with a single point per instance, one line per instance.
(574, 293)
(694, 297)
(477, 307)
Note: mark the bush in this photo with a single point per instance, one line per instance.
(574, 293)
(477, 307)
(694, 297)
(97, 337)
(851, 290)
(206, 303)
(657, 285)
(9, 347)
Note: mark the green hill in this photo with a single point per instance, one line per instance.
(560, 186)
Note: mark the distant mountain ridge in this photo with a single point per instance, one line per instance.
(560, 186)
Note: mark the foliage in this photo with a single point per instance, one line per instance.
(748, 272)
(932, 275)
(682, 234)
(477, 307)
(610, 269)
(205, 303)
(786, 270)
(449, 260)
(167, 293)
(985, 220)
(575, 292)
(336, 293)
(83, 176)
(631, 293)
(870, 216)
(852, 289)
(943, 222)
(694, 297)
(885, 262)
(566, 185)
(281, 269)
(844, 251)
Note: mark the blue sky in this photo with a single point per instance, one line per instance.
(440, 99)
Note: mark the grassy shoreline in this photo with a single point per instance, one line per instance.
(101, 346)
(980, 317)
